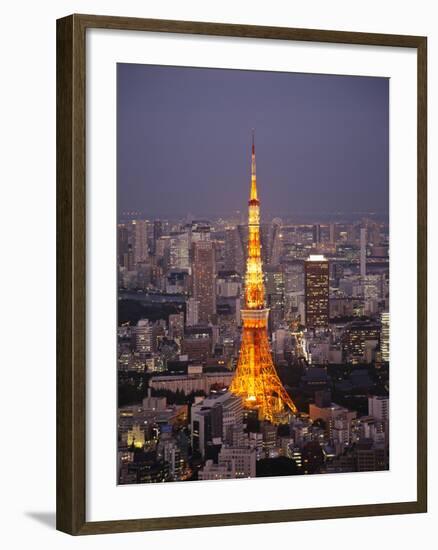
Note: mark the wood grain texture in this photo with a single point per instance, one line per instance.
(71, 265)
(248, 31)
(71, 269)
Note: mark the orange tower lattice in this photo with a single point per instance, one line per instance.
(256, 379)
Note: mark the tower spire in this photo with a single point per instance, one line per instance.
(253, 194)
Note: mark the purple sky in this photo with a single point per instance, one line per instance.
(184, 134)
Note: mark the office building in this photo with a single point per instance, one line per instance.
(204, 283)
(142, 337)
(140, 235)
(363, 251)
(316, 280)
(356, 334)
(192, 312)
(378, 407)
(179, 250)
(384, 336)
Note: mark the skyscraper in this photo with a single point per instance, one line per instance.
(275, 294)
(275, 242)
(316, 231)
(140, 233)
(378, 407)
(157, 232)
(128, 259)
(363, 251)
(180, 250)
(332, 234)
(384, 336)
(256, 379)
(234, 254)
(204, 280)
(192, 312)
(122, 243)
(142, 336)
(316, 281)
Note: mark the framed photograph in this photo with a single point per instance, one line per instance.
(241, 274)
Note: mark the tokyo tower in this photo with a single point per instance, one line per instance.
(256, 379)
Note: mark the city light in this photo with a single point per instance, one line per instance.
(251, 342)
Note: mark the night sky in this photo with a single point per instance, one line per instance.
(322, 142)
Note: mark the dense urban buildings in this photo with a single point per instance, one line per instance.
(252, 349)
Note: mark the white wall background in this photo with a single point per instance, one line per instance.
(27, 122)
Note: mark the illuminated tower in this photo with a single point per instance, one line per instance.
(256, 379)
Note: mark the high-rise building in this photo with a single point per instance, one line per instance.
(363, 251)
(234, 252)
(128, 259)
(356, 335)
(162, 244)
(276, 242)
(214, 420)
(180, 250)
(332, 233)
(316, 232)
(142, 336)
(204, 279)
(172, 455)
(372, 286)
(384, 336)
(206, 425)
(157, 232)
(192, 312)
(140, 235)
(122, 243)
(255, 379)
(316, 281)
(378, 407)
(275, 294)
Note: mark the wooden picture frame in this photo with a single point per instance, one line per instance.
(71, 271)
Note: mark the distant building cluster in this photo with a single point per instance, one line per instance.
(180, 296)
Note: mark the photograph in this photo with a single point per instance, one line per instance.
(253, 262)
(220, 216)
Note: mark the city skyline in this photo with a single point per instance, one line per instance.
(182, 136)
(249, 347)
